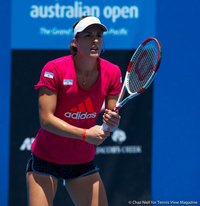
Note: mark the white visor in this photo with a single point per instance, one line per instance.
(84, 23)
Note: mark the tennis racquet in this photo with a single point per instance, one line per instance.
(140, 73)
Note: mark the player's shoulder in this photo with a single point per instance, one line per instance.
(60, 64)
(61, 60)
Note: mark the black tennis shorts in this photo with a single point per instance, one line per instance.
(66, 172)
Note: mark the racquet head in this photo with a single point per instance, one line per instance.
(143, 66)
(141, 71)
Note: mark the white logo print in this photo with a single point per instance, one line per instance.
(119, 136)
(79, 115)
(83, 110)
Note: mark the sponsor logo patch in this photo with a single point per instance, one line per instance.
(67, 82)
(49, 75)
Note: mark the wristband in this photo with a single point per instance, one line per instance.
(84, 135)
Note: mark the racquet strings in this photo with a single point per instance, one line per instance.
(143, 64)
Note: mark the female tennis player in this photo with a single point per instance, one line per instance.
(72, 90)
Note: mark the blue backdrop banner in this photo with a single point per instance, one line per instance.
(47, 24)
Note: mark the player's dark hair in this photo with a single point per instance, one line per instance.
(72, 48)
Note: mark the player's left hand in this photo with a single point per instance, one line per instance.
(111, 119)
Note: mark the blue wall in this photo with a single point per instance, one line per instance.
(5, 64)
(176, 133)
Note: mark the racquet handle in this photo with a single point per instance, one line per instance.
(104, 127)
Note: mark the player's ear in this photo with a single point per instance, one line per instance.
(74, 42)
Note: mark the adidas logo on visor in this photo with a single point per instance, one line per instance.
(92, 20)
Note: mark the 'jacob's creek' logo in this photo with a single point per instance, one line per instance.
(84, 110)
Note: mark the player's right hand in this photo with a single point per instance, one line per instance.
(96, 136)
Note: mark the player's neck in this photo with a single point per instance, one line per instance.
(85, 66)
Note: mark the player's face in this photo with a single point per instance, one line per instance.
(89, 41)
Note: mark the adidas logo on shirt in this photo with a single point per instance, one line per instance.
(84, 110)
(79, 115)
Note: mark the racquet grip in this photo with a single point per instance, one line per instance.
(104, 127)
